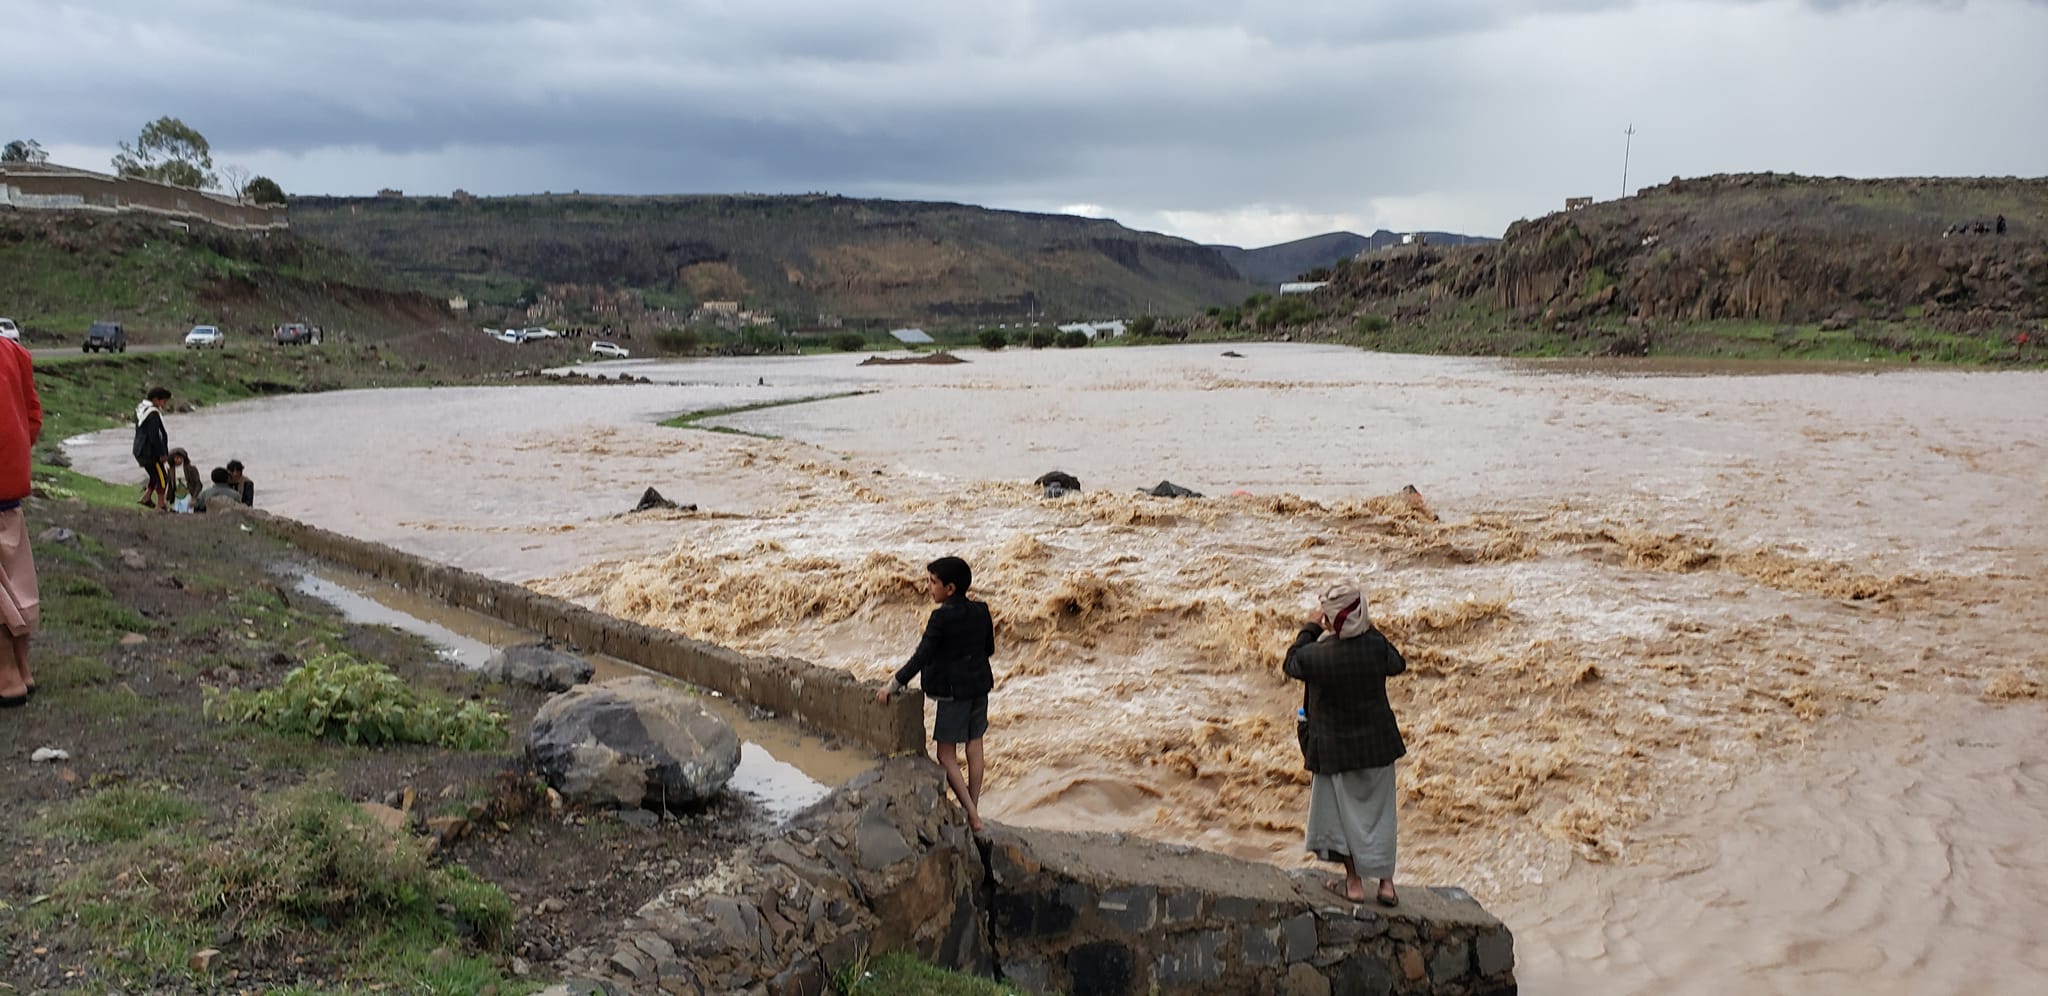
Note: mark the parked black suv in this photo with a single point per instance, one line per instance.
(107, 336)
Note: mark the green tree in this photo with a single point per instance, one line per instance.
(169, 151)
(847, 342)
(992, 339)
(24, 150)
(263, 190)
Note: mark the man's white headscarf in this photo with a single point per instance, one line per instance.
(1345, 606)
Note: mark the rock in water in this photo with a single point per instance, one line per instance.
(1168, 489)
(539, 665)
(632, 742)
(651, 498)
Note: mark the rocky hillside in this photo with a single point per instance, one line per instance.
(59, 273)
(1287, 261)
(1757, 248)
(800, 256)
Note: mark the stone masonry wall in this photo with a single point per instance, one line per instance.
(886, 864)
(825, 699)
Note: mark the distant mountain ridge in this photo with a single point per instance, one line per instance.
(1287, 261)
(802, 257)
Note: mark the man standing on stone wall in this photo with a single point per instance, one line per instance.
(21, 423)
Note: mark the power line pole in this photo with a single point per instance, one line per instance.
(1626, 146)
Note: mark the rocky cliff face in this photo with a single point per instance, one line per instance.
(882, 260)
(1758, 247)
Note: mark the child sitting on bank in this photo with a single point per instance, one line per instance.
(959, 638)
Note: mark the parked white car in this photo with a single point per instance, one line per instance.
(8, 331)
(611, 350)
(205, 337)
(537, 332)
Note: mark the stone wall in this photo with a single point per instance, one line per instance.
(826, 699)
(42, 187)
(886, 864)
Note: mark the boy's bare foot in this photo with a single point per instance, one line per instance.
(1386, 896)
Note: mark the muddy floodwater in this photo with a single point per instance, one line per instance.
(1720, 677)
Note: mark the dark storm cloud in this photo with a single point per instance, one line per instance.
(1192, 106)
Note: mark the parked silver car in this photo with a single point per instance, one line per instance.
(205, 337)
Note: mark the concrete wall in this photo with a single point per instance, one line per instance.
(40, 187)
(826, 699)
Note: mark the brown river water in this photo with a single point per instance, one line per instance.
(1721, 677)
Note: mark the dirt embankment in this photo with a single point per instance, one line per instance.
(145, 614)
(1763, 248)
(58, 272)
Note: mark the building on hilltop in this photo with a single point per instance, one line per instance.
(1303, 286)
(389, 192)
(51, 187)
(1577, 203)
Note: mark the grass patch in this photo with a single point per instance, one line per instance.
(695, 419)
(308, 868)
(88, 609)
(122, 812)
(898, 974)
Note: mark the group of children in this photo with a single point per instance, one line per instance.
(171, 481)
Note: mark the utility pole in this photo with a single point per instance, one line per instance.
(1626, 146)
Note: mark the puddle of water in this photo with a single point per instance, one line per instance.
(781, 767)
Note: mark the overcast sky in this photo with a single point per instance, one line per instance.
(1218, 120)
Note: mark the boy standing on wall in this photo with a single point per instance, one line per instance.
(959, 638)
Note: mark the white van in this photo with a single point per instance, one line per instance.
(8, 331)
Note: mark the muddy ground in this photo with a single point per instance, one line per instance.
(143, 613)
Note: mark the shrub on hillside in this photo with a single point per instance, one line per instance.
(992, 339)
(1291, 310)
(849, 342)
(1369, 324)
(679, 342)
(1041, 338)
(1071, 340)
(359, 703)
(1142, 326)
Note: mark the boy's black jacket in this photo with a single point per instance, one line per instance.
(953, 655)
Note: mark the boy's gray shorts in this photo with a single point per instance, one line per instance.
(960, 720)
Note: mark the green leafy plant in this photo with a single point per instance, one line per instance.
(993, 339)
(359, 703)
(849, 342)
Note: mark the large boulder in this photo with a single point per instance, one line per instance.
(630, 743)
(539, 665)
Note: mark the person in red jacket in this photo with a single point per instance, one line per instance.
(21, 423)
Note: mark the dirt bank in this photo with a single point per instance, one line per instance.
(131, 644)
